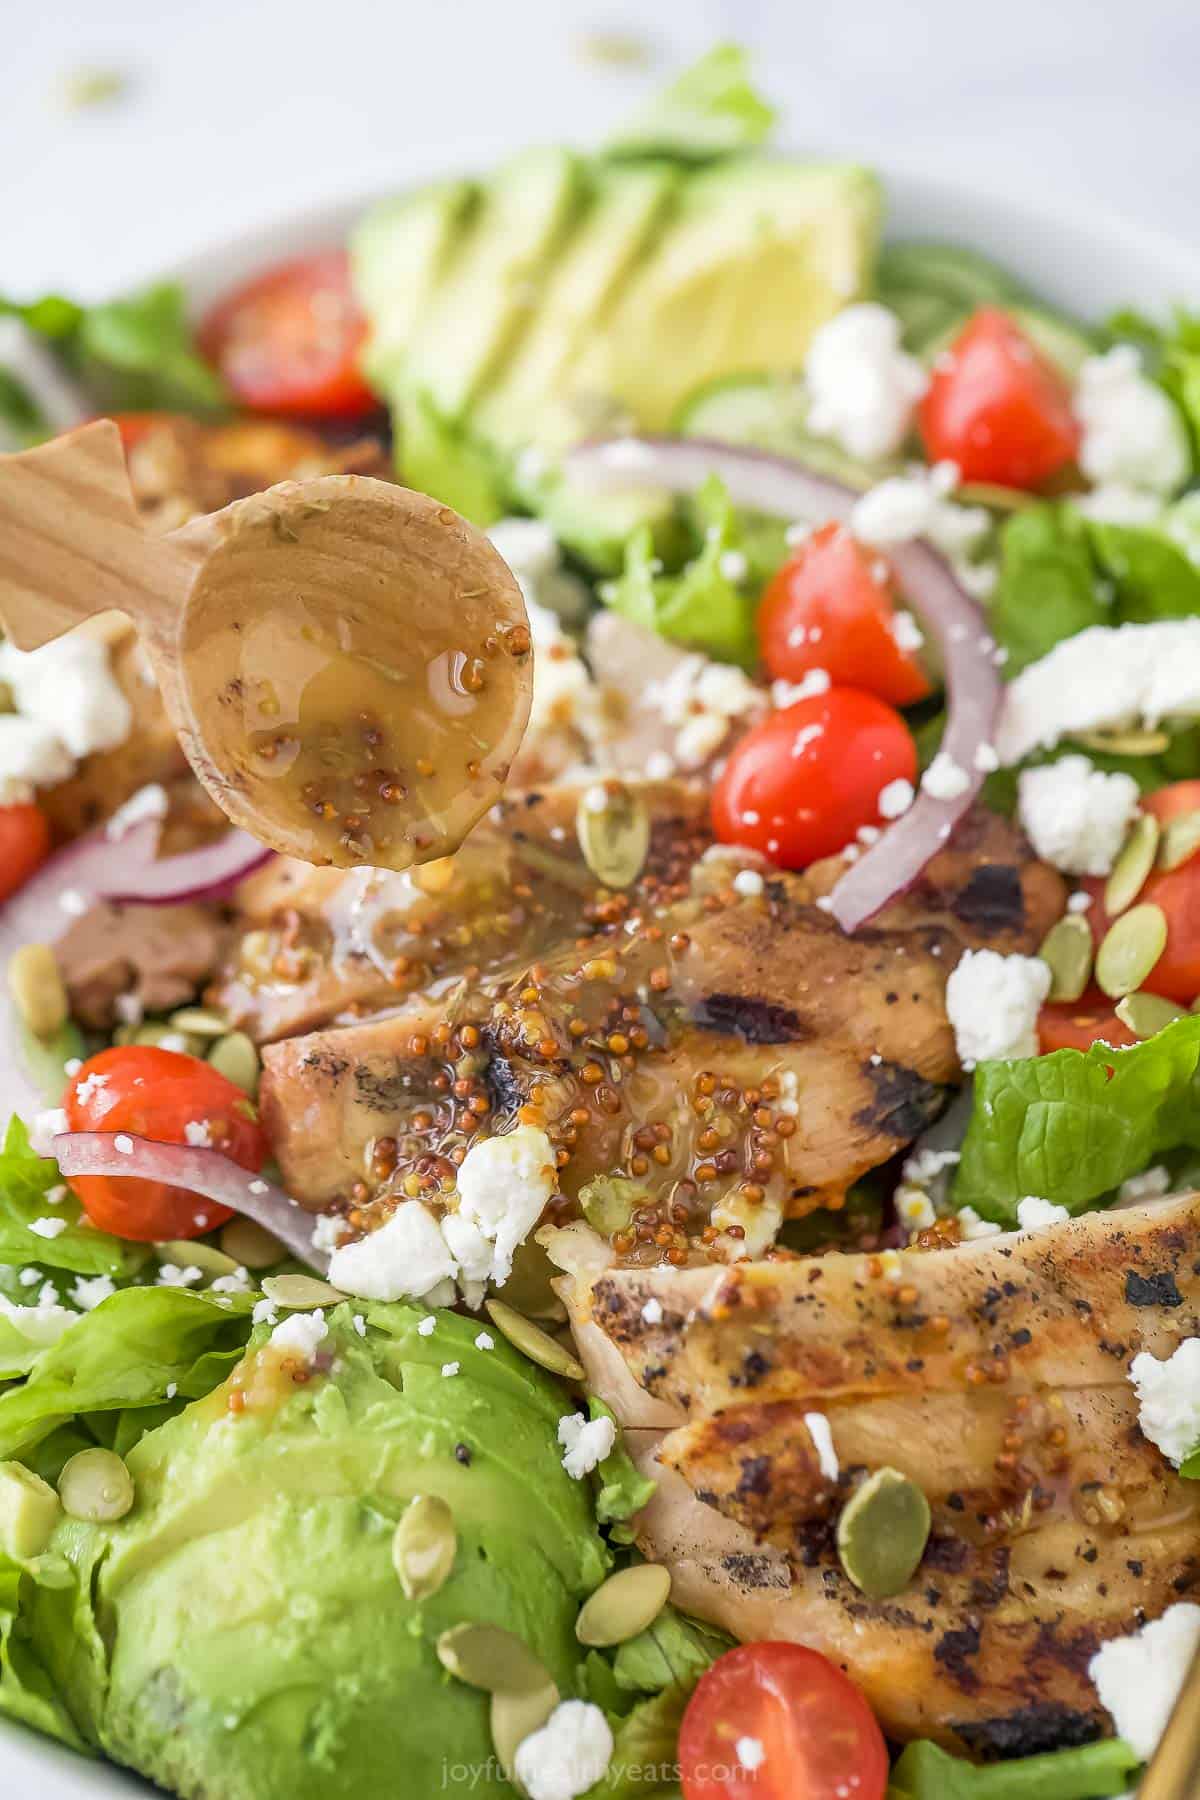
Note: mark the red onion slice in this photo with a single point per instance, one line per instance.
(205, 1173)
(786, 489)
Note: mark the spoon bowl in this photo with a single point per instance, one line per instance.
(347, 663)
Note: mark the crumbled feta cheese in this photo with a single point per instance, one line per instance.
(359, 1324)
(263, 1312)
(862, 385)
(1138, 1677)
(258, 1187)
(31, 756)
(29, 1277)
(926, 1164)
(237, 1282)
(1169, 1399)
(69, 686)
(652, 1312)
(427, 1326)
(1079, 902)
(907, 633)
(301, 1334)
(749, 883)
(89, 1291)
(46, 1127)
(895, 798)
(449, 1369)
(129, 1008)
(760, 1221)
(735, 565)
(701, 699)
(1115, 504)
(972, 1227)
(57, 1194)
(474, 1255)
(403, 1259)
(1150, 1185)
(811, 683)
(569, 1754)
(1075, 815)
(175, 1275)
(328, 1232)
(1034, 1213)
(198, 1133)
(123, 1145)
(42, 1324)
(586, 1443)
(564, 694)
(944, 779)
(916, 505)
(1132, 433)
(528, 546)
(1105, 676)
(504, 1184)
(150, 802)
(91, 1085)
(172, 1389)
(914, 1208)
(47, 1228)
(822, 1437)
(749, 1750)
(485, 1341)
(993, 1003)
(987, 761)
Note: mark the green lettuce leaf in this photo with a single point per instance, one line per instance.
(621, 1490)
(1048, 587)
(128, 1352)
(1151, 576)
(25, 1181)
(1171, 353)
(673, 1651)
(700, 606)
(1094, 1770)
(133, 354)
(1073, 1125)
(645, 1761)
(710, 109)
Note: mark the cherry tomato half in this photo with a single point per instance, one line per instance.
(156, 1094)
(24, 845)
(1176, 974)
(831, 607)
(997, 408)
(288, 341)
(802, 783)
(1078, 1024)
(780, 1722)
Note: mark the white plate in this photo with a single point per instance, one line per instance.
(1090, 266)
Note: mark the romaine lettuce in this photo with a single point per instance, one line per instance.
(924, 1772)
(26, 1181)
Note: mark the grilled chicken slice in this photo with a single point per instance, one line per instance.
(994, 1374)
(734, 1059)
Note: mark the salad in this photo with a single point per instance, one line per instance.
(696, 1294)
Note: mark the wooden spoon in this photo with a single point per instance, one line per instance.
(347, 663)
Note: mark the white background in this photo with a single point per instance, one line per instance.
(240, 110)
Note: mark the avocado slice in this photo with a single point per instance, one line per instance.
(489, 290)
(535, 399)
(758, 254)
(397, 254)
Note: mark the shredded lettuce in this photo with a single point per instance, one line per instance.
(134, 354)
(26, 1181)
(673, 1650)
(1073, 1125)
(710, 109)
(924, 1772)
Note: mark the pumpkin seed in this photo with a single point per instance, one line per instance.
(1132, 866)
(205, 1257)
(96, 1485)
(613, 828)
(250, 1246)
(514, 1717)
(424, 1546)
(237, 1059)
(1180, 841)
(628, 1602)
(197, 1021)
(300, 1293)
(1067, 951)
(1124, 743)
(488, 1657)
(37, 989)
(1146, 1014)
(533, 1342)
(1131, 947)
(882, 1533)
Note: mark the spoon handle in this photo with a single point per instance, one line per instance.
(71, 542)
(1174, 1772)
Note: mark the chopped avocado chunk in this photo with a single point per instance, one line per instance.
(29, 1511)
(535, 398)
(492, 284)
(397, 254)
(755, 257)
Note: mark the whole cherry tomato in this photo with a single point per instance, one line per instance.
(997, 408)
(288, 341)
(24, 845)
